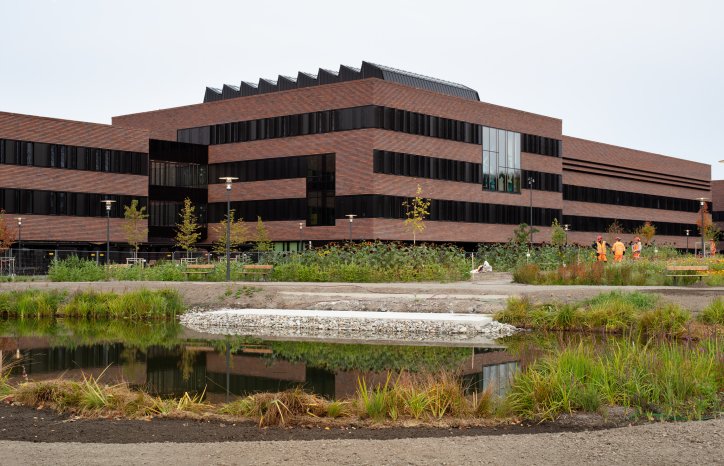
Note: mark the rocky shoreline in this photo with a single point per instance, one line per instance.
(348, 324)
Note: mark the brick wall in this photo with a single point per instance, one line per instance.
(72, 133)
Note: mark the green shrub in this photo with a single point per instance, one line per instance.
(713, 313)
(75, 269)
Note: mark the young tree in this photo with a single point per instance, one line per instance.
(134, 227)
(521, 235)
(558, 234)
(239, 234)
(710, 230)
(614, 229)
(416, 210)
(187, 230)
(647, 231)
(263, 243)
(7, 235)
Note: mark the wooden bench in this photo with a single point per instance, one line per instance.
(257, 270)
(699, 271)
(198, 269)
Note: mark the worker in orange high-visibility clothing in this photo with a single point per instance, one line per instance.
(618, 249)
(636, 248)
(601, 248)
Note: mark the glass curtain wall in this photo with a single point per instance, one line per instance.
(501, 160)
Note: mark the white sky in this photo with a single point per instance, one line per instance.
(640, 74)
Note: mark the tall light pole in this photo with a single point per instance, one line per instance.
(20, 240)
(566, 228)
(109, 204)
(228, 180)
(702, 202)
(351, 218)
(301, 236)
(687, 240)
(531, 181)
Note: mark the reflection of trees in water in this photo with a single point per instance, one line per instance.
(187, 362)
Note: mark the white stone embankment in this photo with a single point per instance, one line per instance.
(294, 322)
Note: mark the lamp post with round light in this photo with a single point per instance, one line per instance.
(687, 240)
(109, 204)
(531, 182)
(351, 218)
(228, 180)
(702, 202)
(301, 236)
(20, 240)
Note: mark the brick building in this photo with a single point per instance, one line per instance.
(313, 149)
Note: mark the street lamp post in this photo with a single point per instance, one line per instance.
(301, 236)
(531, 181)
(228, 180)
(351, 218)
(702, 201)
(566, 228)
(687, 240)
(20, 241)
(109, 204)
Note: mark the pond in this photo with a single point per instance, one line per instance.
(167, 359)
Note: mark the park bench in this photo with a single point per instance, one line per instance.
(677, 271)
(198, 269)
(257, 270)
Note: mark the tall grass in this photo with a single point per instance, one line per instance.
(713, 313)
(663, 380)
(134, 305)
(75, 269)
(611, 312)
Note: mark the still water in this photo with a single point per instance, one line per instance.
(166, 359)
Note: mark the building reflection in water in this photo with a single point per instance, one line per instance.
(196, 367)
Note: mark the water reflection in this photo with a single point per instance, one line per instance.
(234, 366)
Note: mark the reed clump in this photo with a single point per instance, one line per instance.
(657, 380)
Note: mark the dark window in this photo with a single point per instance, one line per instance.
(624, 198)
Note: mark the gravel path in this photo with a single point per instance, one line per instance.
(654, 444)
(486, 295)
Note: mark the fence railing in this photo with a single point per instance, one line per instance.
(37, 261)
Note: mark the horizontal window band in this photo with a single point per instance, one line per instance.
(41, 202)
(355, 118)
(439, 168)
(382, 206)
(625, 198)
(45, 155)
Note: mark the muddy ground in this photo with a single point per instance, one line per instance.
(485, 295)
(29, 436)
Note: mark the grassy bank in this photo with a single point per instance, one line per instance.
(133, 305)
(656, 380)
(616, 312)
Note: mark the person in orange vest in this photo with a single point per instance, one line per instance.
(618, 249)
(712, 248)
(601, 248)
(636, 248)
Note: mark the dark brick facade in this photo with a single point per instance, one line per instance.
(583, 163)
(60, 228)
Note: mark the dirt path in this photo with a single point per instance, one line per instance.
(654, 444)
(483, 296)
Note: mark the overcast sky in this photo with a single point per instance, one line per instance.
(640, 74)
